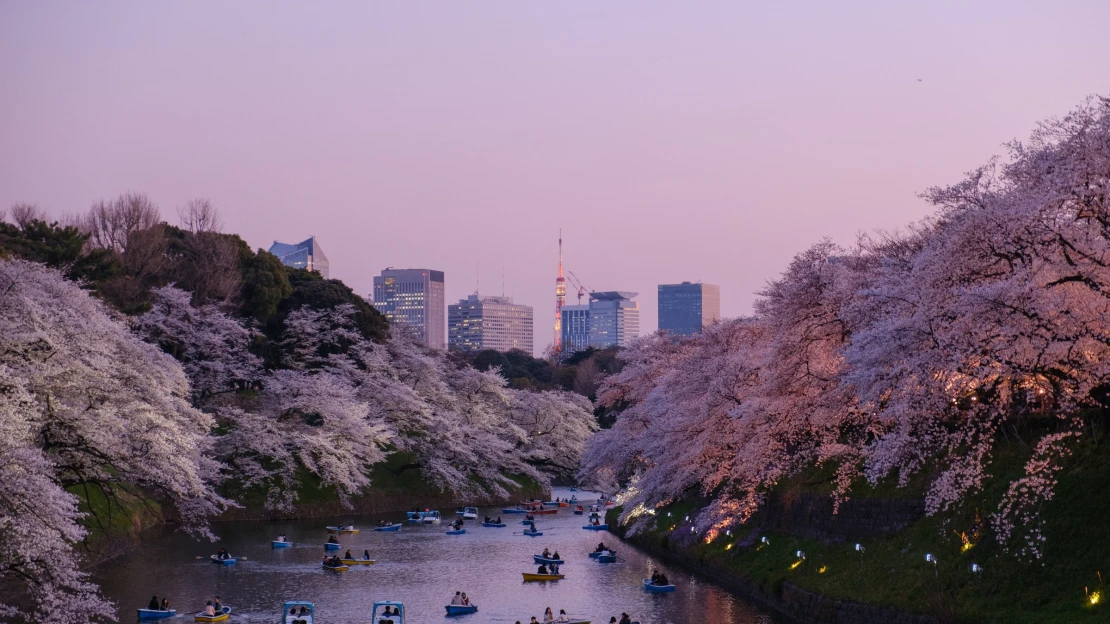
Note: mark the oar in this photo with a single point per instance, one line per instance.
(199, 557)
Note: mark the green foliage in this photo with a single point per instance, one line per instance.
(893, 572)
(312, 290)
(58, 247)
(265, 284)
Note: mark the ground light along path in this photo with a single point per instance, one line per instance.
(420, 566)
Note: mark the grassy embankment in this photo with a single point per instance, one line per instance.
(893, 572)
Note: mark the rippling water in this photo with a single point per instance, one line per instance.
(419, 566)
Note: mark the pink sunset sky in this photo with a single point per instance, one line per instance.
(670, 141)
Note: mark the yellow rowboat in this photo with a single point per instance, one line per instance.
(352, 562)
(341, 568)
(542, 577)
(219, 617)
(336, 529)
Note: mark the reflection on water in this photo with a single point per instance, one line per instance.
(420, 566)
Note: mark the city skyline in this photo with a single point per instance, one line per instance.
(447, 138)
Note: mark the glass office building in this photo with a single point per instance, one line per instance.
(414, 298)
(686, 308)
(576, 328)
(303, 255)
(614, 319)
(478, 323)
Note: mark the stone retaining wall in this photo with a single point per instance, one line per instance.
(811, 516)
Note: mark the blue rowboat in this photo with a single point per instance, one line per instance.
(533, 533)
(596, 527)
(156, 614)
(461, 609)
(495, 525)
(606, 558)
(458, 532)
(392, 527)
(509, 510)
(597, 553)
(219, 561)
(542, 559)
(277, 544)
(330, 546)
(578, 512)
(573, 489)
(527, 521)
(657, 589)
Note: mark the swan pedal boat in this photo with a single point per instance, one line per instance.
(224, 614)
(596, 527)
(277, 544)
(455, 532)
(392, 527)
(339, 529)
(528, 576)
(218, 561)
(461, 609)
(542, 559)
(496, 525)
(351, 562)
(658, 589)
(156, 614)
(341, 568)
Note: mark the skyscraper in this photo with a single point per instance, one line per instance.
(483, 322)
(413, 298)
(575, 328)
(306, 254)
(614, 319)
(686, 308)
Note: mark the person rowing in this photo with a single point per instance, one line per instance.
(546, 554)
(218, 605)
(209, 609)
(348, 555)
(366, 555)
(532, 526)
(153, 606)
(487, 520)
(542, 569)
(498, 521)
(457, 600)
(600, 547)
(332, 540)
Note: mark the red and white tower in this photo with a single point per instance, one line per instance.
(560, 297)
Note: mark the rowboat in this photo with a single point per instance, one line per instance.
(596, 527)
(510, 510)
(330, 546)
(533, 533)
(551, 503)
(219, 561)
(277, 544)
(495, 525)
(546, 511)
(578, 512)
(542, 559)
(564, 504)
(606, 558)
(156, 614)
(461, 609)
(351, 562)
(658, 589)
(573, 489)
(542, 577)
(456, 532)
(526, 522)
(225, 613)
(338, 568)
(597, 553)
(341, 529)
(392, 527)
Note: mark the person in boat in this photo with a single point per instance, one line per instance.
(556, 555)
(498, 521)
(554, 568)
(597, 522)
(534, 620)
(466, 600)
(625, 619)
(562, 616)
(546, 554)
(209, 609)
(531, 526)
(153, 606)
(663, 580)
(218, 605)
(332, 540)
(456, 601)
(165, 606)
(600, 547)
(542, 569)
(487, 520)
(348, 555)
(548, 616)
(366, 555)
(654, 578)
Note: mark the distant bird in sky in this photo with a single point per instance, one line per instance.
(919, 80)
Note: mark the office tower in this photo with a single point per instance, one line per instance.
(614, 319)
(575, 328)
(482, 322)
(413, 298)
(686, 308)
(303, 255)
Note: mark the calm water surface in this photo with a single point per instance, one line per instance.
(419, 566)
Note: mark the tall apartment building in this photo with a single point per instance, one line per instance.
(614, 319)
(414, 298)
(303, 255)
(575, 328)
(483, 322)
(686, 308)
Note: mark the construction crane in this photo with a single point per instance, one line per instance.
(577, 283)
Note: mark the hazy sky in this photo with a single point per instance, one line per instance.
(671, 141)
